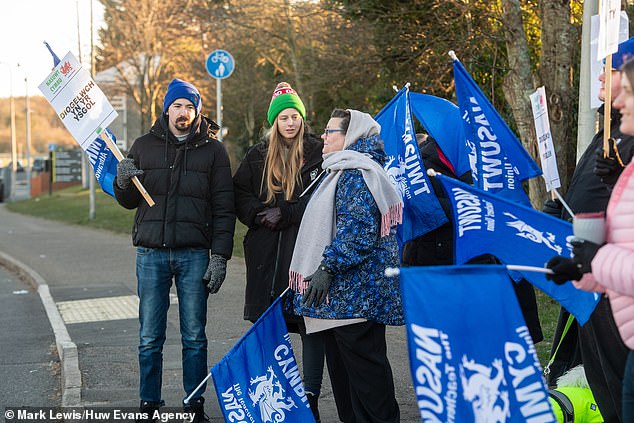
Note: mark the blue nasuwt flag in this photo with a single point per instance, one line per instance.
(104, 163)
(259, 379)
(471, 356)
(499, 162)
(421, 209)
(515, 234)
(441, 119)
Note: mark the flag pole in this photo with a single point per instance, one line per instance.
(395, 271)
(119, 156)
(186, 400)
(521, 268)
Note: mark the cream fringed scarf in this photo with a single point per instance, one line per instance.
(318, 226)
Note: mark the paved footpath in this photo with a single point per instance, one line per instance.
(29, 364)
(87, 285)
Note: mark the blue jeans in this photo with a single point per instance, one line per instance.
(155, 270)
(628, 389)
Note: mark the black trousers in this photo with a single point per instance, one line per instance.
(360, 373)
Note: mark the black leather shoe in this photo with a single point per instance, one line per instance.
(196, 406)
(146, 412)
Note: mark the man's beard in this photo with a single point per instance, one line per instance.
(183, 125)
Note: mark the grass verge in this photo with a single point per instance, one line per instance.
(71, 205)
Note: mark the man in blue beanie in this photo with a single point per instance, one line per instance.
(186, 237)
(597, 344)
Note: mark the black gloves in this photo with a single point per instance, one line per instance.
(583, 253)
(609, 168)
(125, 171)
(553, 208)
(317, 291)
(567, 269)
(216, 272)
(269, 218)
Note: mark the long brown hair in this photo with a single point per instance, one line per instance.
(282, 170)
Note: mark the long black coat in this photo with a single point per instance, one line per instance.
(190, 182)
(587, 193)
(268, 253)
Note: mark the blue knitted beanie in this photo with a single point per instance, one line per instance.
(181, 89)
(624, 53)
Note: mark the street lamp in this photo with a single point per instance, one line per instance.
(14, 146)
(27, 157)
(27, 106)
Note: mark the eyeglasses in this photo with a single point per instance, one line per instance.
(330, 131)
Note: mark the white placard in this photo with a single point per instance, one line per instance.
(78, 101)
(609, 15)
(545, 140)
(596, 65)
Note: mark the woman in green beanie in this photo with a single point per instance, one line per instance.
(268, 187)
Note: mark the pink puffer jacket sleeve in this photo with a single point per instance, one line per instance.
(613, 267)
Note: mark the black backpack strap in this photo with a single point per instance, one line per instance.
(565, 404)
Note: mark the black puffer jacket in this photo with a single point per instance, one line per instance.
(268, 253)
(190, 183)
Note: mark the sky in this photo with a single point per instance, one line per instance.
(26, 24)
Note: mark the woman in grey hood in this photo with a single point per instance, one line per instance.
(346, 240)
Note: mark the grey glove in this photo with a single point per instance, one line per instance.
(216, 272)
(319, 283)
(125, 171)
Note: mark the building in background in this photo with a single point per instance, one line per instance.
(127, 126)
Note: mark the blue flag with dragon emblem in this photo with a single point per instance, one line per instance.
(104, 163)
(472, 358)
(421, 210)
(499, 162)
(259, 380)
(516, 234)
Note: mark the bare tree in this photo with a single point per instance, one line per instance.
(144, 40)
(559, 50)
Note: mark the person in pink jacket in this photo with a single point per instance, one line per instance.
(609, 268)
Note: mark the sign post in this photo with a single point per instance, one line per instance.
(220, 65)
(609, 16)
(66, 166)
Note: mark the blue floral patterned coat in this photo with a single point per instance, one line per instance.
(358, 255)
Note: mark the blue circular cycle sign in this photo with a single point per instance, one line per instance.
(220, 64)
